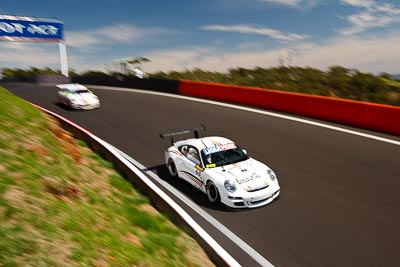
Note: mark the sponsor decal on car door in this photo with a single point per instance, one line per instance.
(192, 170)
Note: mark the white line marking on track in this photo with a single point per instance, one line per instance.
(268, 113)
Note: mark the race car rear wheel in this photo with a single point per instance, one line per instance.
(172, 168)
(212, 192)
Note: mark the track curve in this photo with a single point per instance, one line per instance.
(340, 194)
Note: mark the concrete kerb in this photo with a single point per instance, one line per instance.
(162, 201)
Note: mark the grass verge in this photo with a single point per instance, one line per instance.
(63, 205)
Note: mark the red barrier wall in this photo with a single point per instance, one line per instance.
(382, 118)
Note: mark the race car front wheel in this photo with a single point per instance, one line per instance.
(212, 192)
(172, 168)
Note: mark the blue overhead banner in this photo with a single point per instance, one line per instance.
(29, 29)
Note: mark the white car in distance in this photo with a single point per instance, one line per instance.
(77, 96)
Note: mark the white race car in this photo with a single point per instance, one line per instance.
(77, 96)
(220, 169)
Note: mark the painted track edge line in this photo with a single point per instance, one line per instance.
(173, 205)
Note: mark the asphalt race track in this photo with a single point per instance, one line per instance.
(340, 192)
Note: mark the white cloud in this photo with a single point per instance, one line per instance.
(18, 54)
(372, 15)
(307, 4)
(120, 33)
(246, 29)
(115, 34)
(84, 48)
(374, 54)
(371, 54)
(360, 3)
(292, 3)
(388, 9)
(81, 39)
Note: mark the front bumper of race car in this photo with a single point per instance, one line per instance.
(90, 106)
(245, 199)
(84, 106)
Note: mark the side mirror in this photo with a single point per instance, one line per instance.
(198, 167)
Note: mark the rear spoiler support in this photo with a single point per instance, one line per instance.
(171, 133)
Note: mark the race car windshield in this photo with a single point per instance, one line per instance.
(224, 157)
(82, 91)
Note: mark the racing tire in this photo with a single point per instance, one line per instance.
(172, 168)
(212, 193)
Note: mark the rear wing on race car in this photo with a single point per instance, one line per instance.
(172, 133)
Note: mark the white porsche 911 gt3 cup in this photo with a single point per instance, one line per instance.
(77, 96)
(220, 169)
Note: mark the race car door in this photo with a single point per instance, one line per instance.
(192, 170)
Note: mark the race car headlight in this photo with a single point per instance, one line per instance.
(230, 186)
(272, 175)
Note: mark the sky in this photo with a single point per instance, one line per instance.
(213, 35)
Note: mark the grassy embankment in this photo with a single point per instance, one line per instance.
(63, 205)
